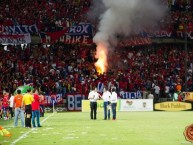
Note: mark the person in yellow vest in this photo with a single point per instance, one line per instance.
(27, 101)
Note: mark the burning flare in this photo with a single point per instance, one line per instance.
(101, 54)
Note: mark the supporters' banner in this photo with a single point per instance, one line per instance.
(180, 34)
(166, 34)
(20, 29)
(131, 95)
(136, 105)
(55, 99)
(135, 42)
(74, 101)
(15, 39)
(157, 34)
(81, 33)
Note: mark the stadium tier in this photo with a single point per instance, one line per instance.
(48, 44)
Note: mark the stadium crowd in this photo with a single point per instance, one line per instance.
(49, 15)
(55, 15)
(69, 68)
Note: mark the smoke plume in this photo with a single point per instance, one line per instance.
(123, 17)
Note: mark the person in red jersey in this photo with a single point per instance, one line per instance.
(36, 109)
(6, 105)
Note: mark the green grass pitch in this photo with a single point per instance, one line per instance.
(130, 128)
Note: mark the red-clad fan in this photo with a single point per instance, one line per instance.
(36, 109)
(6, 105)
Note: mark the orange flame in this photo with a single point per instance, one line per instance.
(101, 55)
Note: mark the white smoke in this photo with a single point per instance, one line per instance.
(124, 17)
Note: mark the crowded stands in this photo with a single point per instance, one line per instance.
(50, 15)
(69, 68)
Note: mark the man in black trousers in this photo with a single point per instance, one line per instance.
(93, 97)
(26, 102)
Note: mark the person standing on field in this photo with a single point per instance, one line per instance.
(36, 109)
(113, 100)
(93, 97)
(19, 110)
(27, 101)
(6, 105)
(106, 104)
(11, 105)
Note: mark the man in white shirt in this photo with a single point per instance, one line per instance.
(106, 98)
(157, 92)
(11, 105)
(113, 100)
(93, 96)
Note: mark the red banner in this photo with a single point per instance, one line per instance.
(55, 99)
(74, 101)
(135, 42)
(81, 33)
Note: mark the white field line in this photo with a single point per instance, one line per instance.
(25, 134)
